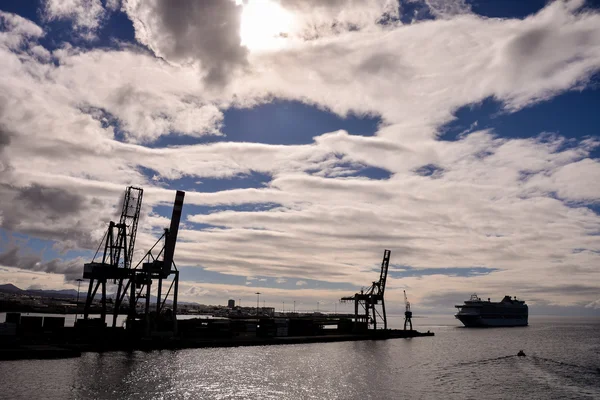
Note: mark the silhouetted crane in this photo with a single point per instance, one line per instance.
(371, 298)
(117, 254)
(133, 282)
(407, 313)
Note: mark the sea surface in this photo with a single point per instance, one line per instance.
(562, 362)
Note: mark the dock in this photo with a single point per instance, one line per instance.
(48, 338)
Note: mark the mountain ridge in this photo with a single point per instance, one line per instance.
(64, 293)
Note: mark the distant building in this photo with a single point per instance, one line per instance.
(231, 303)
(267, 311)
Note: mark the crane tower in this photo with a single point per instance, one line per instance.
(116, 255)
(407, 313)
(135, 282)
(369, 306)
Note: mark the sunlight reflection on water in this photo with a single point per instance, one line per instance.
(455, 364)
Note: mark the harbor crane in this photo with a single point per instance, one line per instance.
(407, 313)
(113, 260)
(369, 306)
(135, 282)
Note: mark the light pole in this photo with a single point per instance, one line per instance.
(77, 303)
(257, 301)
(317, 306)
(294, 306)
(283, 309)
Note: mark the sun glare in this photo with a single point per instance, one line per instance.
(265, 25)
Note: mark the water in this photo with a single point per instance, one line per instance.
(563, 357)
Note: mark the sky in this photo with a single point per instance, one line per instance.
(309, 137)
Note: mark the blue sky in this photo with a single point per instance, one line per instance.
(461, 134)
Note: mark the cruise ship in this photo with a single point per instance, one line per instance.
(481, 313)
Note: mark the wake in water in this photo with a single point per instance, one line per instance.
(484, 361)
(548, 360)
(498, 376)
(566, 364)
(577, 380)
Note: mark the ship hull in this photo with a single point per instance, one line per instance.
(477, 321)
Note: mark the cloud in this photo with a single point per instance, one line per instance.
(191, 32)
(538, 40)
(569, 181)
(143, 112)
(217, 293)
(486, 224)
(5, 138)
(23, 278)
(594, 304)
(433, 55)
(86, 16)
(447, 8)
(281, 280)
(17, 30)
(50, 199)
(113, 5)
(315, 19)
(300, 283)
(71, 269)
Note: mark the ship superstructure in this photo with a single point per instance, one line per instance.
(485, 313)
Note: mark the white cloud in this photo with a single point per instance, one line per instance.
(219, 293)
(594, 304)
(447, 8)
(17, 30)
(300, 283)
(571, 181)
(85, 15)
(113, 5)
(24, 279)
(317, 19)
(416, 73)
